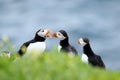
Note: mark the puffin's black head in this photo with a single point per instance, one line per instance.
(83, 41)
(43, 33)
(61, 34)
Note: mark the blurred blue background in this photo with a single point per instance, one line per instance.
(99, 20)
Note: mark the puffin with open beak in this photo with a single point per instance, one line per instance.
(37, 44)
(64, 44)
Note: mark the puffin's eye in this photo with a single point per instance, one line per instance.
(42, 30)
(59, 34)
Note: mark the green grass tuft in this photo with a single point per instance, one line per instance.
(51, 66)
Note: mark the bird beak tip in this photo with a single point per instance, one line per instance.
(47, 33)
(54, 35)
(78, 41)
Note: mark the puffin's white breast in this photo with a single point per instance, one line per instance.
(37, 47)
(59, 48)
(84, 58)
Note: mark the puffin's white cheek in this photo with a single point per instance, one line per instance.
(58, 36)
(82, 43)
(62, 37)
(45, 32)
(39, 33)
(42, 34)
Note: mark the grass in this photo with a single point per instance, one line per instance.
(51, 66)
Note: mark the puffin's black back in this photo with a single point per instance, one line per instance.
(96, 61)
(63, 32)
(69, 49)
(24, 46)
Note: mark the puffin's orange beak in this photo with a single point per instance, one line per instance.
(54, 35)
(47, 33)
(78, 41)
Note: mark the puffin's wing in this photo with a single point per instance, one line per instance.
(100, 62)
(74, 50)
(97, 61)
(23, 48)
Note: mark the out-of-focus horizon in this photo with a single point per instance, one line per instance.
(98, 20)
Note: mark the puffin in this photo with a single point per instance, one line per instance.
(37, 44)
(64, 44)
(88, 55)
(7, 54)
